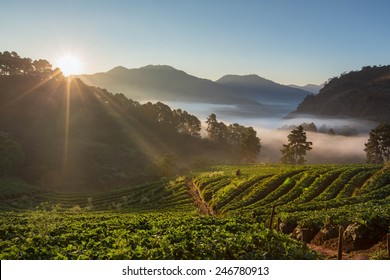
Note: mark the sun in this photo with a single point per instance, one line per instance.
(70, 64)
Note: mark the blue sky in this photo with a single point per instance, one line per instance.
(296, 42)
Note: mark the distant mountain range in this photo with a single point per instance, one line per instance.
(165, 83)
(309, 87)
(363, 94)
(262, 90)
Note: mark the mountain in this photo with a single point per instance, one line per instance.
(309, 87)
(242, 95)
(163, 83)
(363, 94)
(257, 88)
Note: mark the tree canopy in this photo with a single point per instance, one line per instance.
(11, 64)
(378, 146)
(294, 152)
(238, 137)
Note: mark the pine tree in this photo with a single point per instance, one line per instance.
(250, 145)
(378, 146)
(294, 152)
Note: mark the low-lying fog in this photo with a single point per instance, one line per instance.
(273, 129)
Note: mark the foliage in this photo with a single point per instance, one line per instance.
(360, 94)
(12, 64)
(250, 145)
(378, 146)
(307, 195)
(159, 220)
(107, 139)
(63, 235)
(295, 150)
(236, 137)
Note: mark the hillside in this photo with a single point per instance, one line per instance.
(363, 94)
(77, 137)
(161, 220)
(310, 202)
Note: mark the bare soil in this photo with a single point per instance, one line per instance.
(328, 250)
(202, 205)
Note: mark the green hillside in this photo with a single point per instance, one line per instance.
(163, 219)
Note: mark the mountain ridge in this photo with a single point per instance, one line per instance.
(363, 94)
(163, 83)
(253, 86)
(253, 94)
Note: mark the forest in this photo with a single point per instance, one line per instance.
(70, 135)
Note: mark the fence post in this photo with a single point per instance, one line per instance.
(278, 224)
(271, 219)
(304, 232)
(388, 244)
(340, 246)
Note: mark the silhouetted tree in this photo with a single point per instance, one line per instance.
(250, 145)
(12, 64)
(294, 152)
(186, 123)
(378, 146)
(217, 131)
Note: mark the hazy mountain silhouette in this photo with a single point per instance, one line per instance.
(260, 89)
(165, 83)
(309, 87)
(363, 94)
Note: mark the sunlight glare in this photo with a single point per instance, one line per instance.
(69, 64)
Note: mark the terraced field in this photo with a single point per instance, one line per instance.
(310, 198)
(164, 216)
(163, 195)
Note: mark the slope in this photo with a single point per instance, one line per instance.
(363, 94)
(78, 137)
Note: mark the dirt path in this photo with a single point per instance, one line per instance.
(202, 205)
(331, 254)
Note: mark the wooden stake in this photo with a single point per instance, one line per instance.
(304, 232)
(340, 247)
(278, 224)
(271, 219)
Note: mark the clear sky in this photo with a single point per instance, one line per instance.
(289, 41)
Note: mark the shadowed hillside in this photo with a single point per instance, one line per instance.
(361, 94)
(77, 137)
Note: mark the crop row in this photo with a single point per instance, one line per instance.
(289, 186)
(105, 235)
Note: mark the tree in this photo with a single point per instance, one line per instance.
(294, 152)
(250, 145)
(217, 131)
(378, 146)
(187, 123)
(11, 64)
